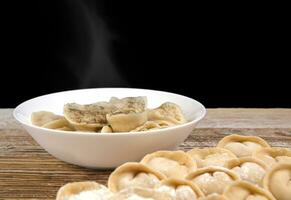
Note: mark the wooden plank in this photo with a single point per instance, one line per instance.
(29, 172)
(246, 118)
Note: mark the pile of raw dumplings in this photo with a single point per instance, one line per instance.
(238, 168)
(129, 114)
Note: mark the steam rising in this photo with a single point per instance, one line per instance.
(95, 68)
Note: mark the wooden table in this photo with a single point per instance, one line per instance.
(29, 172)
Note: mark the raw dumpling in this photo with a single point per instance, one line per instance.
(272, 156)
(211, 156)
(212, 179)
(277, 181)
(180, 189)
(168, 112)
(133, 175)
(249, 169)
(242, 145)
(213, 197)
(138, 193)
(91, 117)
(49, 120)
(83, 191)
(130, 114)
(170, 163)
(242, 190)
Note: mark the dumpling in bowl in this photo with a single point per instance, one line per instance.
(50, 120)
(126, 121)
(170, 163)
(91, 117)
(242, 145)
(59, 124)
(133, 175)
(168, 111)
(83, 190)
(152, 125)
(106, 129)
(180, 189)
(130, 113)
(136, 104)
(43, 117)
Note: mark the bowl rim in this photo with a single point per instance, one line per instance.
(80, 133)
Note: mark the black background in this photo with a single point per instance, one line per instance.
(220, 54)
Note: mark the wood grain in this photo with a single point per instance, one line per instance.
(29, 172)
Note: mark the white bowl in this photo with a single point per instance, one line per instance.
(103, 150)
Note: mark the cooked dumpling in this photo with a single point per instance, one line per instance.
(66, 128)
(242, 190)
(130, 114)
(43, 117)
(249, 169)
(168, 112)
(83, 191)
(49, 120)
(124, 122)
(212, 179)
(138, 193)
(273, 155)
(130, 104)
(211, 156)
(151, 125)
(170, 163)
(277, 181)
(180, 189)
(242, 145)
(164, 123)
(106, 129)
(133, 175)
(91, 117)
(60, 124)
